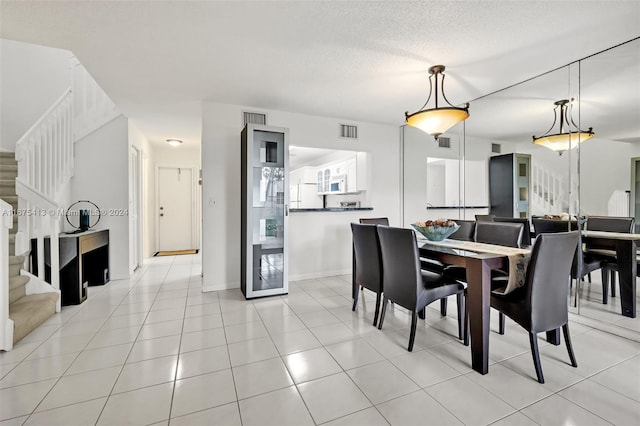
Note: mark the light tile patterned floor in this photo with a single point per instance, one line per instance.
(156, 350)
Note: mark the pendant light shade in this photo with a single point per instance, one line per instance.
(565, 139)
(435, 121)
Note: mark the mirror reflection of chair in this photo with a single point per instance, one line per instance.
(406, 284)
(603, 252)
(542, 303)
(367, 264)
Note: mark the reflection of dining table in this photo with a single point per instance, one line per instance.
(478, 267)
(626, 258)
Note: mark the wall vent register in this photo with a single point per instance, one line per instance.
(444, 142)
(348, 131)
(253, 118)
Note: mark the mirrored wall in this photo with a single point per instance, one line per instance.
(457, 180)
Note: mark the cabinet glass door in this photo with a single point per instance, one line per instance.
(266, 213)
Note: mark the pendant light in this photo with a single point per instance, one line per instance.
(436, 121)
(565, 139)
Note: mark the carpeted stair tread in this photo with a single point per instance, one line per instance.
(19, 280)
(11, 199)
(16, 260)
(17, 287)
(30, 311)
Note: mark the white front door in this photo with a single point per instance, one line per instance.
(175, 208)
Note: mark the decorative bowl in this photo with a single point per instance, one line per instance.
(436, 232)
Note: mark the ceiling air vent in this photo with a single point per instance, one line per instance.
(253, 118)
(496, 148)
(348, 131)
(444, 142)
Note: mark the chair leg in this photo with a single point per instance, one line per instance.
(533, 339)
(567, 339)
(422, 313)
(461, 314)
(605, 286)
(443, 307)
(466, 320)
(384, 311)
(412, 336)
(375, 315)
(589, 277)
(356, 293)
(500, 323)
(613, 283)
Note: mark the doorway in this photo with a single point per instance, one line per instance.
(175, 208)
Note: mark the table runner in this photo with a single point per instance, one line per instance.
(518, 259)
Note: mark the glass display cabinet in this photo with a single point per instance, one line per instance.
(265, 210)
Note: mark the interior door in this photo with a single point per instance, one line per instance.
(175, 208)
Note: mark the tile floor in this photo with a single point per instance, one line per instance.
(155, 350)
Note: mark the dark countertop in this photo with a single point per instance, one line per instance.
(456, 207)
(331, 209)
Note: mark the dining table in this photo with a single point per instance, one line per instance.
(478, 260)
(625, 256)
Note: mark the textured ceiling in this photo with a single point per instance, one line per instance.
(363, 61)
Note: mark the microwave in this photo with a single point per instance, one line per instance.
(338, 184)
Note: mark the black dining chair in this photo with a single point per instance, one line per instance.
(526, 227)
(542, 303)
(603, 252)
(466, 232)
(406, 284)
(367, 263)
(503, 234)
(485, 217)
(375, 220)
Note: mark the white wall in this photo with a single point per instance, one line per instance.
(102, 177)
(320, 243)
(32, 78)
(605, 166)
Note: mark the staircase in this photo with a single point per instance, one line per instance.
(35, 182)
(26, 310)
(550, 192)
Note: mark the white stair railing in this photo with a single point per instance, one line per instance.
(93, 107)
(6, 325)
(618, 203)
(45, 166)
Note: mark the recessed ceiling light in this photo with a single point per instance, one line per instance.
(174, 142)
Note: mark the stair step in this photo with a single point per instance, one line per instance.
(17, 281)
(16, 260)
(7, 160)
(7, 187)
(11, 199)
(8, 171)
(7, 154)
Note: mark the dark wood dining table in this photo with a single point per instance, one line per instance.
(626, 246)
(479, 267)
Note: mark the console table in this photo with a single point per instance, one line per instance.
(84, 261)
